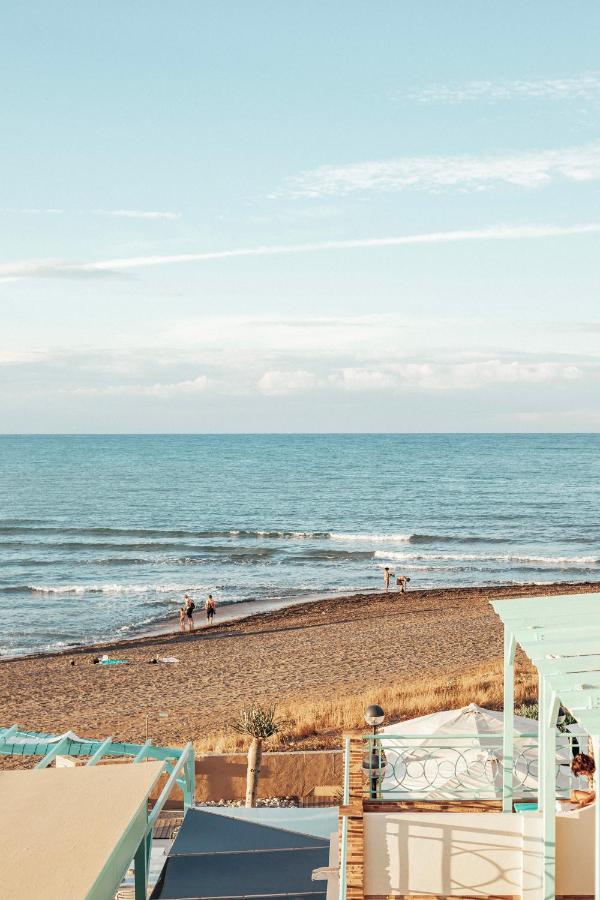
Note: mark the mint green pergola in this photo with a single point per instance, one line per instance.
(561, 637)
(178, 765)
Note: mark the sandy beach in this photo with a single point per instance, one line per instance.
(333, 646)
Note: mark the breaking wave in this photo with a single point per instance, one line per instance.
(555, 561)
(111, 588)
(167, 537)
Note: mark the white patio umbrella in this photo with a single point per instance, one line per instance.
(458, 753)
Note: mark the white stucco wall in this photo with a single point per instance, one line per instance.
(474, 853)
(575, 852)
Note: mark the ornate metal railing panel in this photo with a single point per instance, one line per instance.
(458, 767)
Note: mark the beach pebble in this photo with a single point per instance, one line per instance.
(271, 802)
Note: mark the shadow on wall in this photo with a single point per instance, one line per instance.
(223, 776)
(475, 853)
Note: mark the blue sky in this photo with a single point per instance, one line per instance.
(316, 216)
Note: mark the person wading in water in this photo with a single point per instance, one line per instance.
(210, 606)
(190, 606)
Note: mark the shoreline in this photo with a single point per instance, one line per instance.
(302, 656)
(262, 610)
(167, 627)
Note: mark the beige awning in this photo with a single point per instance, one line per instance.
(68, 833)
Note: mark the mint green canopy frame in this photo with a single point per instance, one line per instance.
(178, 764)
(561, 637)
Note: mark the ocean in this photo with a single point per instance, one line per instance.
(101, 535)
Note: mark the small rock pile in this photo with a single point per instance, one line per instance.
(270, 802)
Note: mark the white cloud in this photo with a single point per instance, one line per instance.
(192, 386)
(557, 419)
(118, 213)
(434, 376)
(30, 268)
(353, 379)
(357, 358)
(279, 383)
(578, 87)
(473, 375)
(22, 357)
(424, 377)
(45, 268)
(33, 210)
(435, 173)
(137, 213)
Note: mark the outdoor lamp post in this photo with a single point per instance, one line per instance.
(374, 764)
(374, 761)
(374, 715)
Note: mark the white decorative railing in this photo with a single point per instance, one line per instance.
(461, 767)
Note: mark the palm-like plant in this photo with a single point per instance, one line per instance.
(259, 723)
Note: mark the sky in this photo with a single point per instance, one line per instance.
(272, 216)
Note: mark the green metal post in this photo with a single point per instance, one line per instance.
(344, 859)
(6, 735)
(187, 751)
(56, 750)
(343, 852)
(596, 745)
(508, 723)
(548, 779)
(189, 791)
(143, 752)
(541, 738)
(141, 863)
(99, 752)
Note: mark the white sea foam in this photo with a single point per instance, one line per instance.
(371, 538)
(275, 533)
(116, 588)
(479, 557)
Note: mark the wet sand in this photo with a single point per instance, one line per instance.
(315, 649)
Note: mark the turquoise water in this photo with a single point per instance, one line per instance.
(101, 535)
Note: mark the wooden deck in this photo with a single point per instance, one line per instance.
(354, 811)
(167, 825)
(426, 806)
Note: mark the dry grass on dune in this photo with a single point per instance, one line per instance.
(315, 723)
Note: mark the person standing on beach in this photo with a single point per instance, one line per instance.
(386, 577)
(401, 583)
(210, 606)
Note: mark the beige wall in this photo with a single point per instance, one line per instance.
(443, 853)
(223, 776)
(282, 774)
(474, 853)
(575, 852)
